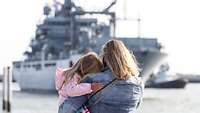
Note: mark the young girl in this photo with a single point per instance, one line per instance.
(67, 81)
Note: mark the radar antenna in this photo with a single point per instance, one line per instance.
(56, 4)
(107, 8)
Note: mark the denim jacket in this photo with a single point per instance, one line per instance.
(122, 96)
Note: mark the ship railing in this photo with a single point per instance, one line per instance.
(38, 65)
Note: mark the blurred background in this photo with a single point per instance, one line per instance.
(38, 36)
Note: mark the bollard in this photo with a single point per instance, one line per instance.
(9, 75)
(3, 91)
(7, 91)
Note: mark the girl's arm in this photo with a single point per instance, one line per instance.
(59, 78)
(74, 89)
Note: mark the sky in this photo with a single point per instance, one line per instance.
(175, 23)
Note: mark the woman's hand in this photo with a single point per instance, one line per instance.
(96, 86)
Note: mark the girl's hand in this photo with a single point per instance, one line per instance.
(96, 86)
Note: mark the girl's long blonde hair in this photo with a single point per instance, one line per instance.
(89, 63)
(119, 59)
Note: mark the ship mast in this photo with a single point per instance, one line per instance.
(69, 4)
(139, 26)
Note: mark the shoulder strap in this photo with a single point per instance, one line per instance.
(102, 88)
(85, 103)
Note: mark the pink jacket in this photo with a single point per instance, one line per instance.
(70, 89)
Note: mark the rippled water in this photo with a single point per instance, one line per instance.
(172, 100)
(155, 101)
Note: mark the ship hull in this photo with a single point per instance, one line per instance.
(150, 62)
(178, 83)
(30, 79)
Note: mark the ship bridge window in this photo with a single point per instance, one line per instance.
(37, 66)
(27, 66)
(17, 65)
(59, 23)
(49, 64)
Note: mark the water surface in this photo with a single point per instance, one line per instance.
(155, 101)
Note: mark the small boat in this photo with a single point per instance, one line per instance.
(165, 80)
(177, 83)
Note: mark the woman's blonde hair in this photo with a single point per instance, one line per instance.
(87, 64)
(119, 59)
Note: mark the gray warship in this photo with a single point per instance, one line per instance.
(66, 33)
